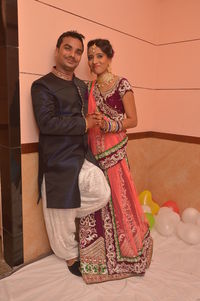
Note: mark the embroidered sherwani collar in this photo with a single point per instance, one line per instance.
(61, 74)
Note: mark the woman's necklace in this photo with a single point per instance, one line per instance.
(105, 79)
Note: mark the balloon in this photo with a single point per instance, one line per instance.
(165, 210)
(172, 205)
(154, 207)
(145, 198)
(163, 225)
(189, 233)
(198, 220)
(150, 219)
(146, 208)
(190, 215)
(175, 218)
(169, 215)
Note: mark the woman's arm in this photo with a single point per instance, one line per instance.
(130, 110)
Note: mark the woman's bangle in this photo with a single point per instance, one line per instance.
(112, 126)
(116, 126)
(105, 126)
(120, 125)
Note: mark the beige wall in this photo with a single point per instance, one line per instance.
(169, 169)
(178, 71)
(34, 233)
(179, 20)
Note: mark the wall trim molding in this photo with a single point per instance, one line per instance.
(165, 136)
(197, 39)
(27, 148)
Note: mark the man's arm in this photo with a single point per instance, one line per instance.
(47, 120)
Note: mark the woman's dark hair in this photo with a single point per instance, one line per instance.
(73, 34)
(104, 45)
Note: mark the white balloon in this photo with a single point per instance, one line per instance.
(164, 210)
(146, 208)
(169, 215)
(190, 215)
(174, 217)
(180, 230)
(189, 233)
(163, 225)
(198, 220)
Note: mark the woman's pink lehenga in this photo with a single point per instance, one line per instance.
(115, 241)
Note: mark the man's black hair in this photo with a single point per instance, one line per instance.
(74, 34)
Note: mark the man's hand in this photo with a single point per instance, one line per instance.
(94, 120)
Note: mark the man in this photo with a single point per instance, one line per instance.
(71, 184)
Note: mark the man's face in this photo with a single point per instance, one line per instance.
(69, 54)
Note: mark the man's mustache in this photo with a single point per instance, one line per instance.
(71, 58)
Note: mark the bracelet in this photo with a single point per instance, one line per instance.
(120, 125)
(105, 126)
(112, 126)
(117, 127)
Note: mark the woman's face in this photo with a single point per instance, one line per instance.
(98, 60)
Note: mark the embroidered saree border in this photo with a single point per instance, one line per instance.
(97, 264)
(119, 255)
(113, 155)
(112, 149)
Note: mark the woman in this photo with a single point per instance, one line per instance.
(115, 241)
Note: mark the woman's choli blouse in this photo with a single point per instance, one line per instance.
(110, 103)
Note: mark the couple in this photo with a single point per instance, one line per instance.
(84, 177)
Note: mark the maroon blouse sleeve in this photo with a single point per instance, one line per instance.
(124, 86)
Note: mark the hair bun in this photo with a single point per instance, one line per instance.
(104, 45)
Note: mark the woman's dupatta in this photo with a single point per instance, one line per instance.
(96, 136)
(93, 132)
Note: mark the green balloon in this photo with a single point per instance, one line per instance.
(151, 219)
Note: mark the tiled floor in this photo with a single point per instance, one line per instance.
(5, 269)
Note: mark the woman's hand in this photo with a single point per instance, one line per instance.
(99, 118)
(95, 119)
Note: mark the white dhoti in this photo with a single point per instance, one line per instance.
(60, 223)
